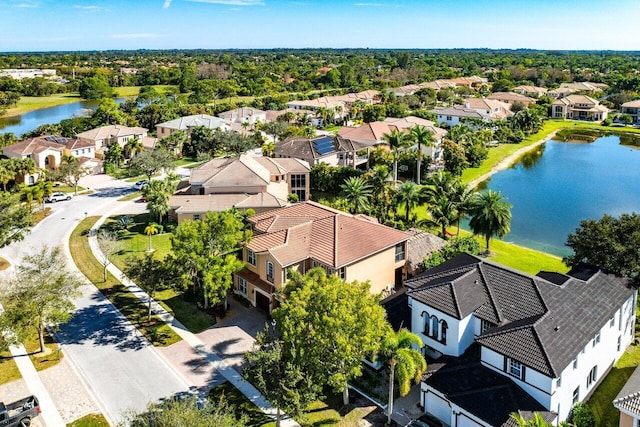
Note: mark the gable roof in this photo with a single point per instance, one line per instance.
(308, 148)
(632, 104)
(195, 204)
(541, 323)
(629, 397)
(329, 236)
(511, 96)
(111, 131)
(240, 113)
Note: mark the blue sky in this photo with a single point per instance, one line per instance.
(43, 25)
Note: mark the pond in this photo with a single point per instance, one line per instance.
(31, 120)
(556, 186)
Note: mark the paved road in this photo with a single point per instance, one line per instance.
(120, 366)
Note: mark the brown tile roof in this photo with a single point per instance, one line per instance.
(315, 231)
(193, 203)
(511, 96)
(238, 171)
(37, 145)
(255, 279)
(75, 144)
(632, 104)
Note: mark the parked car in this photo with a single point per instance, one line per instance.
(140, 184)
(58, 197)
(19, 413)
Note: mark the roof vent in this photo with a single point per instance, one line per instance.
(557, 328)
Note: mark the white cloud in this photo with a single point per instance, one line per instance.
(232, 2)
(166, 4)
(88, 8)
(136, 36)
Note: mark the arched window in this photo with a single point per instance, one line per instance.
(443, 331)
(425, 321)
(434, 327)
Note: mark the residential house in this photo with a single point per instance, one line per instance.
(244, 115)
(505, 341)
(631, 108)
(531, 91)
(104, 136)
(47, 152)
(258, 183)
(560, 92)
(308, 235)
(314, 120)
(628, 401)
(31, 73)
(189, 122)
(473, 108)
(339, 105)
(578, 107)
(332, 150)
(471, 82)
(510, 97)
(585, 87)
(406, 123)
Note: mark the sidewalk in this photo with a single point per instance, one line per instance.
(213, 359)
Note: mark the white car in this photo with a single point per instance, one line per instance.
(58, 197)
(140, 184)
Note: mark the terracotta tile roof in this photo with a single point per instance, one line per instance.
(111, 131)
(324, 234)
(38, 145)
(236, 171)
(193, 203)
(75, 144)
(511, 96)
(632, 104)
(255, 280)
(541, 323)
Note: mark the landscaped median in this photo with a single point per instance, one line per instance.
(156, 331)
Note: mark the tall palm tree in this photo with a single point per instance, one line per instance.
(421, 136)
(6, 173)
(399, 350)
(463, 197)
(357, 192)
(440, 184)
(381, 200)
(157, 193)
(395, 139)
(150, 230)
(133, 147)
(268, 148)
(490, 215)
(408, 194)
(23, 167)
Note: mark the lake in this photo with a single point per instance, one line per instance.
(556, 186)
(31, 120)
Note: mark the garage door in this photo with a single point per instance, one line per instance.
(262, 302)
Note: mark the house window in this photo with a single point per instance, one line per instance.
(298, 181)
(270, 271)
(612, 322)
(434, 327)
(302, 194)
(593, 376)
(196, 217)
(596, 340)
(576, 395)
(251, 257)
(484, 325)
(399, 252)
(449, 118)
(575, 363)
(559, 381)
(242, 286)
(514, 368)
(443, 332)
(619, 343)
(342, 273)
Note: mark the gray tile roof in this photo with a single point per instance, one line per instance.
(629, 397)
(543, 324)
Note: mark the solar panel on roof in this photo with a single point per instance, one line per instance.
(324, 145)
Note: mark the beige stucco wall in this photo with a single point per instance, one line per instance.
(379, 269)
(626, 420)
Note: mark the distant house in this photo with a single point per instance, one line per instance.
(339, 104)
(567, 89)
(471, 82)
(632, 108)
(334, 151)
(474, 108)
(578, 107)
(189, 122)
(272, 115)
(308, 235)
(258, 183)
(501, 341)
(31, 73)
(47, 152)
(104, 136)
(510, 97)
(628, 401)
(531, 91)
(244, 115)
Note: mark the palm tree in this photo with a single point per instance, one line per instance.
(6, 173)
(443, 213)
(150, 230)
(399, 350)
(381, 201)
(490, 215)
(440, 184)
(408, 194)
(357, 192)
(157, 193)
(536, 421)
(463, 197)
(395, 139)
(23, 167)
(133, 146)
(421, 136)
(268, 148)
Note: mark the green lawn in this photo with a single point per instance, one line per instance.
(135, 244)
(125, 91)
(600, 402)
(157, 332)
(31, 103)
(43, 362)
(91, 420)
(318, 414)
(8, 368)
(183, 161)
